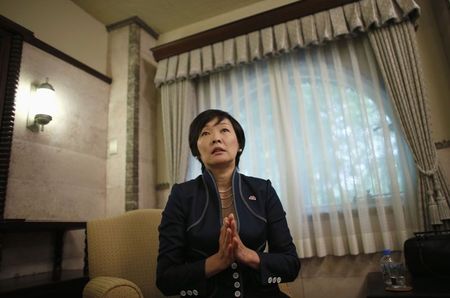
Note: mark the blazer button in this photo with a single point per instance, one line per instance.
(235, 275)
(233, 266)
(237, 294)
(278, 279)
(183, 293)
(237, 284)
(195, 292)
(269, 280)
(189, 292)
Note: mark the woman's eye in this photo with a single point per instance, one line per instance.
(225, 130)
(204, 133)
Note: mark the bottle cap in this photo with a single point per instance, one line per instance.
(386, 252)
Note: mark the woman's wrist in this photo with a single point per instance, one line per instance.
(214, 265)
(254, 260)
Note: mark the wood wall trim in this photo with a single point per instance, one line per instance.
(259, 21)
(29, 37)
(72, 61)
(14, 28)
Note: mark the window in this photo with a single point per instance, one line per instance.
(324, 110)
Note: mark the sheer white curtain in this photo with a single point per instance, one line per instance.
(319, 125)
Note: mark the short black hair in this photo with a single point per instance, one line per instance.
(202, 119)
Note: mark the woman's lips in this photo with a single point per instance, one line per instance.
(218, 150)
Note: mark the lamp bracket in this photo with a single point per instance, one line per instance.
(39, 121)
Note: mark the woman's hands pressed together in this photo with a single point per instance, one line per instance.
(242, 253)
(231, 249)
(224, 257)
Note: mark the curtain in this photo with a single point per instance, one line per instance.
(317, 29)
(397, 54)
(177, 113)
(319, 125)
(320, 28)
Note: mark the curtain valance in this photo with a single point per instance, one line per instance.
(315, 29)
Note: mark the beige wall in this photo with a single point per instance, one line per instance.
(435, 70)
(117, 124)
(147, 124)
(64, 26)
(69, 171)
(116, 170)
(60, 173)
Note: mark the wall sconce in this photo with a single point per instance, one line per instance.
(41, 107)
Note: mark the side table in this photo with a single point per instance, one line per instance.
(63, 283)
(422, 287)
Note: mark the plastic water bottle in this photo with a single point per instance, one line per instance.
(386, 264)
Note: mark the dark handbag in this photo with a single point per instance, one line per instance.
(428, 254)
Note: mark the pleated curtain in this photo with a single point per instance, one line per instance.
(178, 111)
(326, 26)
(396, 51)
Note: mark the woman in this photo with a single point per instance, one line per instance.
(214, 228)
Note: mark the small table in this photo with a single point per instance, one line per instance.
(57, 281)
(42, 285)
(422, 288)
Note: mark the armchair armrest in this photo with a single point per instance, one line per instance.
(284, 287)
(111, 287)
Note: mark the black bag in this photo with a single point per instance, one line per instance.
(428, 254)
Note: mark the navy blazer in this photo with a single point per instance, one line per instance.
(189, 233)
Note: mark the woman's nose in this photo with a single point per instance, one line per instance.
(216, 138)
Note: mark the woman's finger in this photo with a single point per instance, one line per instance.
(222, 237)
(233, 225)
(229, 245)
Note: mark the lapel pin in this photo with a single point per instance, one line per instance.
(252, 198)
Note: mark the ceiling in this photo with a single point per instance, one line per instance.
(161, 15)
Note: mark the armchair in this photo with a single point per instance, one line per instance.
(122, 254)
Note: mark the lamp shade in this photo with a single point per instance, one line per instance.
(44, 101)
(42, 107)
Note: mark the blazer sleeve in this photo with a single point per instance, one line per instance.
(173, 274)
(281, 262)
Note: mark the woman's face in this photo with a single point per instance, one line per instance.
(218, 144)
